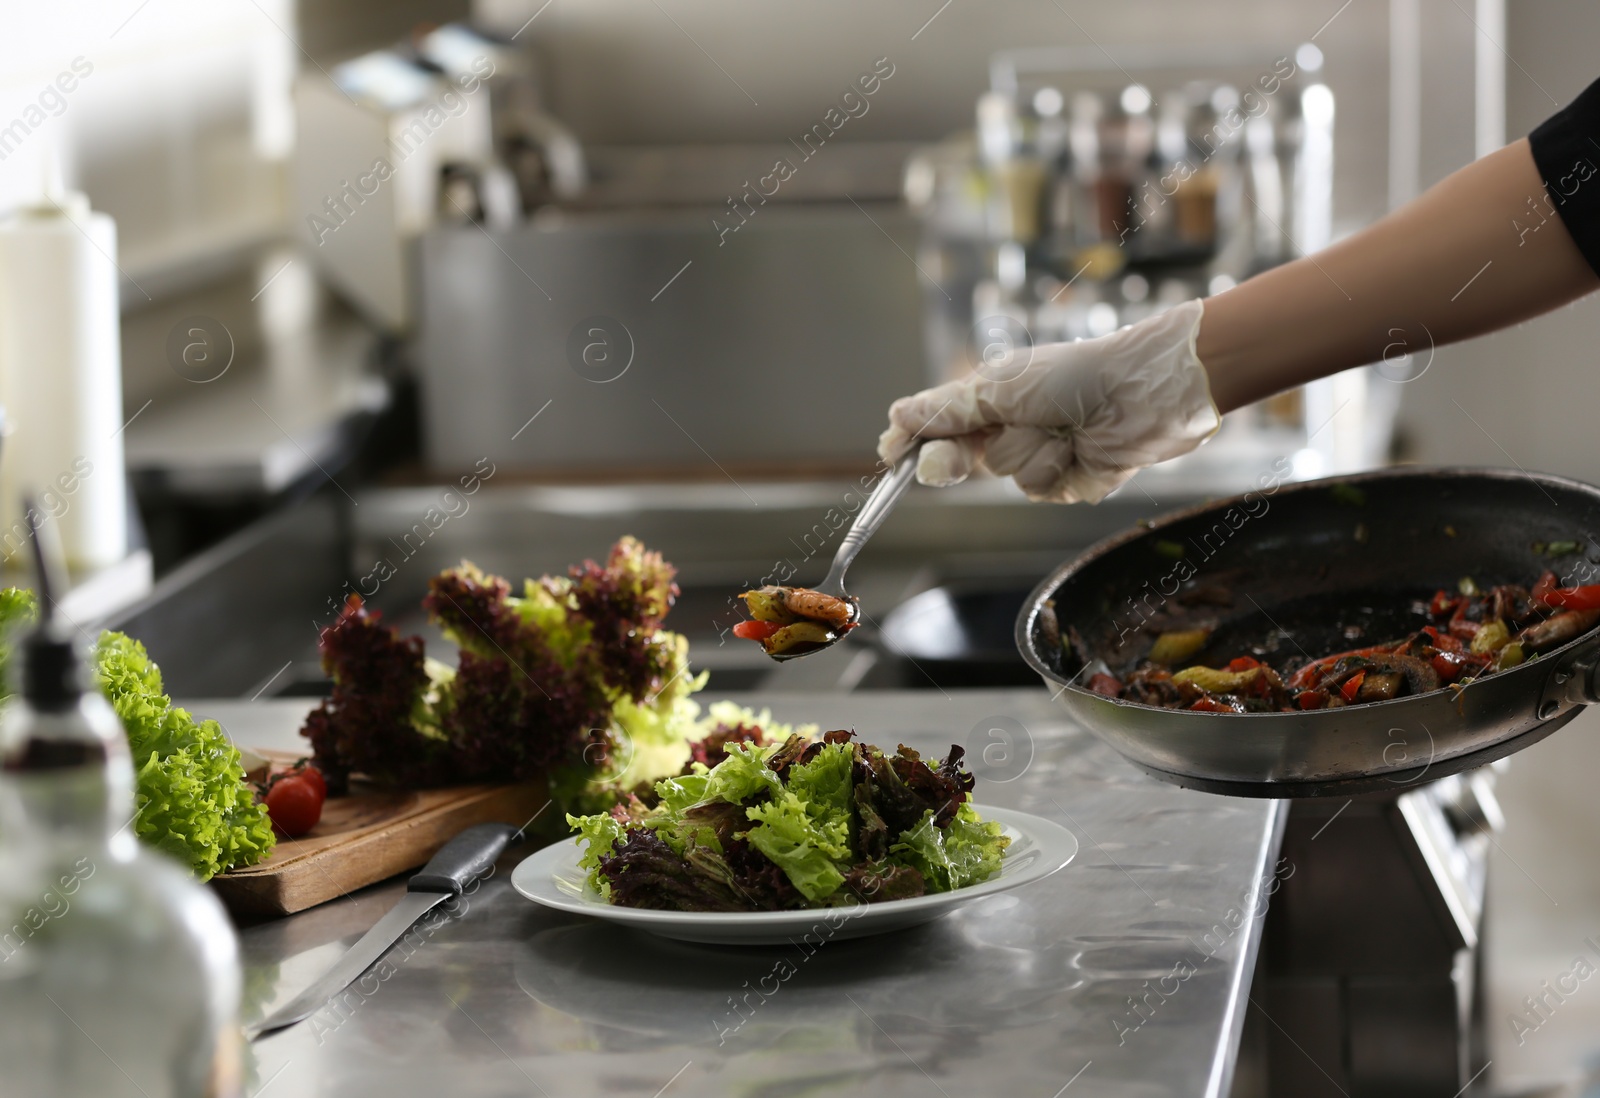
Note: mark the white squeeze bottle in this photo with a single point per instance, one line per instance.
(119, 972)
(61, 376)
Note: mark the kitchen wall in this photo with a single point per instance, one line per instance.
(1527, 386)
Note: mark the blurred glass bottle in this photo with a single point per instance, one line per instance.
(118, 970)
(1012, 167)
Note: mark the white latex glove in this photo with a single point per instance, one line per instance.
(1072, 424)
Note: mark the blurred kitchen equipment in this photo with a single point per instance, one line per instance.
(447, 875)
(1094, 193)
(890, 488)
(1372, 959)
(61, 377)
(544, 156)
(393, 141)
(372, 141)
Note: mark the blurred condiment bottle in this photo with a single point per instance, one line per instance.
(119, 972)
(61, 377)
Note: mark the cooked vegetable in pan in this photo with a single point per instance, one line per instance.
(791, 620)
(1460, 637)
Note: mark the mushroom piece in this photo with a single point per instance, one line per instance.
(1558, 630)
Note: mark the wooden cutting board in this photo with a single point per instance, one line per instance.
(366, 836)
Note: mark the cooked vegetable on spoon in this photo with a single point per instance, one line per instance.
(790, 621)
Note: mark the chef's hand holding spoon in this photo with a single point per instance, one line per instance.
(1078, 419)
(1073, 421)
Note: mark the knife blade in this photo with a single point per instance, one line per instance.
(457, 864)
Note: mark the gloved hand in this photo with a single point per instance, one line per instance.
(1075, 422)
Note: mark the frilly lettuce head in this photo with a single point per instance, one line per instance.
(191, 799)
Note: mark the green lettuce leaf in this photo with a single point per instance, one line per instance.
(810, 849)
(683, 792)
(969, 850)
(824, 782)
(598, 834)
(742, 775)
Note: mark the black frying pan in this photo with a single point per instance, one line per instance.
(1318, 568)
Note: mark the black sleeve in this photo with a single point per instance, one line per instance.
(1566, 148)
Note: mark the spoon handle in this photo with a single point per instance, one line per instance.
(890, 488)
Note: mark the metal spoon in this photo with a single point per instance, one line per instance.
(873, 512)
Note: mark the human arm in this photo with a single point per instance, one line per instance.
(1510, 236)
(1458, 261)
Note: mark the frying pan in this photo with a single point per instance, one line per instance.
(1317, 568)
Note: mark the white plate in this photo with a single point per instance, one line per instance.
(1038, 848)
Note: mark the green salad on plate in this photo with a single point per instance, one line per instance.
(750, 826)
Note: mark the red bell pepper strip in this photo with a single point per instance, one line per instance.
(1574, 598)
(1243, 663)
(1460, 627)
(1308, 675)
(1449, 665)
(756, 630)
(1352, 686)
(1444, 642)
(1312, 699)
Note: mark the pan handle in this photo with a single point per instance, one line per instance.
(1573, 680)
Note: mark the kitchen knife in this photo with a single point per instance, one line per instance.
(457, 864)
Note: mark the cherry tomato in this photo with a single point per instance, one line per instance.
(314, 776)
(756, 630)
(294, 805)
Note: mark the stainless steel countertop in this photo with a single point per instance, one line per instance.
(1026, 993)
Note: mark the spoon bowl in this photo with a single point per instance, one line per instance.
(890, 488)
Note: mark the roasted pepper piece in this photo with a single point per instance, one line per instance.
(1171, 648)
(798, 637)
(1510, 656)
(1215, 681)
(768, 604)
(1491, 637)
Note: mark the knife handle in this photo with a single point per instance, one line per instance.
(463, 859)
